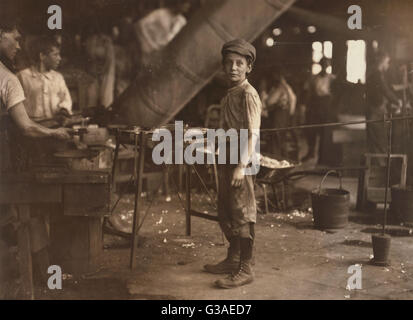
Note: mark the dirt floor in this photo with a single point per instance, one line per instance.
(293, 259)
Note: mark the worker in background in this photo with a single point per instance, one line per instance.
(158, 28)
(318, 100)
(102, 67)
(280, 106)
(45, 89)
(380, 101)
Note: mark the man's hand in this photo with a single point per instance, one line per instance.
(237, 176)
(61, 133)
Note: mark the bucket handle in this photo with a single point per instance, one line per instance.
(325, 176)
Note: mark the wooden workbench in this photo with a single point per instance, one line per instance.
(82, 195)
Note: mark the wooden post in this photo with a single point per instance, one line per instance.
(25, 255)
(138, 191)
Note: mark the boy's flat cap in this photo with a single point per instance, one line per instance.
(241, 47)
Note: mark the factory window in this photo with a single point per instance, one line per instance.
(356, 61)
(320, 50)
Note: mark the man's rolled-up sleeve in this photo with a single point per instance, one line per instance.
(14, 93)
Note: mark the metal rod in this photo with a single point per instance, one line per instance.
(138, 192)
(115, 158)
(389, 141)
(188, 199)
(205, 187)
(333, 124)
(322, 125)
(203, 215)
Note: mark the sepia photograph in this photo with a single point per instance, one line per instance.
(222, 152)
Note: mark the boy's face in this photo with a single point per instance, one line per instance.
(236, 67)
(52, 59)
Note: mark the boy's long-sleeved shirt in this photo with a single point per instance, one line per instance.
(45, 93)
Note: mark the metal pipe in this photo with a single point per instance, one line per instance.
(138, 190)
(334, 124)
(389, 142)
(193, 58)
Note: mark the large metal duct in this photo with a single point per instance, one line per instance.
(193, 57)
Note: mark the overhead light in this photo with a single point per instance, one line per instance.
(375, 44)
(311, 29)
(270, 42)
(316, 69)
(276, 32)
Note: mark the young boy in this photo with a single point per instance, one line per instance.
(45, 88)
(237, 213)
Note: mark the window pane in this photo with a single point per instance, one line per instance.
(317, 51)
(328, 49)
(356, 61)
(316, 68)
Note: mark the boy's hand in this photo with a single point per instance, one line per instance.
(62, 133)
(237, 176)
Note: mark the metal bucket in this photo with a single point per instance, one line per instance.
(330, 206)
(381, 249)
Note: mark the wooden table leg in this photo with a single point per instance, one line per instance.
(25, 254)
(216, 177)
(180, 174)
(165, 172)
(284, 207)
(138, 191)
(275, 193)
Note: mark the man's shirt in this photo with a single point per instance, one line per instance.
(11, 91)
(46, 93)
